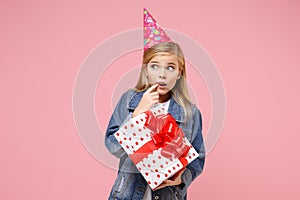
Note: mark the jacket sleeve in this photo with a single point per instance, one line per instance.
(119, 117)
(194, 168)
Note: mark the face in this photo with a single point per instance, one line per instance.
(163, 69)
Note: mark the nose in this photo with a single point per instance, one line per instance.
(162, 73)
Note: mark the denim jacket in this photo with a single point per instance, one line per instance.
(130, 184)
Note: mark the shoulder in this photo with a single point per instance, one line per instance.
(128, 94)
(195, 109)
(130, 97)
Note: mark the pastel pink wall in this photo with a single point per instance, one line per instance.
(255, 45)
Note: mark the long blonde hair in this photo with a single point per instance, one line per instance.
(180, 91)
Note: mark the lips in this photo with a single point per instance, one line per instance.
(162, 84)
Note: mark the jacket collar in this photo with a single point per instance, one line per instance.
(174, 109)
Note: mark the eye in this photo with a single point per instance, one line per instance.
(154, 66)
(171, 68)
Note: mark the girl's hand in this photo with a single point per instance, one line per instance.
(150, 97)
(174, 180)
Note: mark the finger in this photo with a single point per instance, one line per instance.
(178, 176)
(182, 170)
(161, 186)
(171, 182)
(179, 173)
(152, 88)
(154, 93)
(155, 97)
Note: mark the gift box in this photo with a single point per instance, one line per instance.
(156, 145)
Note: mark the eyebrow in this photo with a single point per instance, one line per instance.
(170, 63)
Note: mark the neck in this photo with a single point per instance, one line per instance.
(164, 98)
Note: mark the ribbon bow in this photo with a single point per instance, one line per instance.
(167, 135)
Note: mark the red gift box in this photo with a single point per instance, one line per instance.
(156, 145)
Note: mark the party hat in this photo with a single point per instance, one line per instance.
(153, 34)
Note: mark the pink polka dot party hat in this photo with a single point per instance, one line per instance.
(153, 33)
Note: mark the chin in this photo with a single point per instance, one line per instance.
(163, 92)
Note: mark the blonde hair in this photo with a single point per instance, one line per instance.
(179, 91)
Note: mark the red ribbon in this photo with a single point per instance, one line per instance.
(166, 135)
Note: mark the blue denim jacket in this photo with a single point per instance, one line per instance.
(130, 184)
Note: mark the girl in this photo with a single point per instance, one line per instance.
(162, 81)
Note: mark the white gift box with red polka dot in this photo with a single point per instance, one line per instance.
(154, 167)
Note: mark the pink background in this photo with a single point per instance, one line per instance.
(255, 45)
